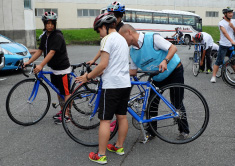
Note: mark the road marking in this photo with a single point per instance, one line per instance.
(2, 79)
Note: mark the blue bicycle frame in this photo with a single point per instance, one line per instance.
(133, 113)
(41, 77)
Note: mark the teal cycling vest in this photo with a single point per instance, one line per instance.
(147, 58)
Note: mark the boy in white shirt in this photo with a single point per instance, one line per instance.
(114, 64)
(205, 38)
(227, 29)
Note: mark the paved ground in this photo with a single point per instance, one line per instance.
(46, 144)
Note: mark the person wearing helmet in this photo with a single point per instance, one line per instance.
(118, 10)
(227, 29)
(54, 49)
(207, 40)
(150, 51)
(114, 64)
(179, 34)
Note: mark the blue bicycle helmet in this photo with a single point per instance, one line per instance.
(116, 7)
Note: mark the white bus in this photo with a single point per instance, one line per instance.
(163, 22)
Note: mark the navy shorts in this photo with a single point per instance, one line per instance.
(223, 51)
(113, 101)
(62, 83)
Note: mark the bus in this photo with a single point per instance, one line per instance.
(163, 22)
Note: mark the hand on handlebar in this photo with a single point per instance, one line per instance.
(82, 79)
(90, 62)
(37, 69)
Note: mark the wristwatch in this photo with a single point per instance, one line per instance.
(167, 60)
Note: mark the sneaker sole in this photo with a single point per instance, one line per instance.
(119, 153)
(100, 162)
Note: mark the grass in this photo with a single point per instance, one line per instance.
(213, 31)
(90, 37)
(78, 36)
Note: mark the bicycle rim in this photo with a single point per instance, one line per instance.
(81, 128)
(137, 99)
(193, 114)
(25, 112)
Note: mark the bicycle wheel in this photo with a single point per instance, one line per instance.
(81, 87)
(196, 63)
(81, 128)
(192, 109)
(228, 73)
(25, 112)
(137, 98)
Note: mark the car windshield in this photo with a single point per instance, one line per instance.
(4, 40)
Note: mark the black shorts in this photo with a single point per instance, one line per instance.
(62, 83)
(113, 101)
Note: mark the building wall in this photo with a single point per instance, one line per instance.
(68, 18)
(17, 23)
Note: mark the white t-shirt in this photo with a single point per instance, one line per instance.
(159, 44)
(116, 75)
(223, 40)
(215, 47)
(208, 40)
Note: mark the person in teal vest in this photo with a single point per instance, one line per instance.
(150, 51)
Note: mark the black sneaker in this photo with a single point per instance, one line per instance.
(56, 116)
(59, 120)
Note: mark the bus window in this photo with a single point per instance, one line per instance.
(188, 20)
(160, 18)
(127, 17)
(133, 18)
(198, 24)
(144, 17)
(175, 19)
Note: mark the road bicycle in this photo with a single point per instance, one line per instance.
(196, 58)
(29, 100)
(166, 114)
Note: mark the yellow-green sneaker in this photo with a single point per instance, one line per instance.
(98, 159)
(113, 148)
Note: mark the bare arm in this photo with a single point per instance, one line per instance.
(203, 56)
(95, 58)
(104, 61)
(226, 35)
(171, 52)
(36, 55)
(44, 62)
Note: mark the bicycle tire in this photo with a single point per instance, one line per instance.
(25, 113)
(194, 120)
(137, 98)
(196, 63)
(81, 129)
(228, 74)
(80, 87)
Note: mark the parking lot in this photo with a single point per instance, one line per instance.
(46, 144)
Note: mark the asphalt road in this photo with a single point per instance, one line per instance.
(46, 144)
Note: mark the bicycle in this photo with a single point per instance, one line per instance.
(192, 114)
(181, 41)
(29, 100)
(196, 58)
